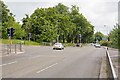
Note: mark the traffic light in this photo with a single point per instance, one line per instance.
(108, 39)
(10, 32)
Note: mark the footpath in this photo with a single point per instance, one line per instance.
(6, 50)
(114, 55)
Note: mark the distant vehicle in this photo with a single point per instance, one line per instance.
(58, 46)
(97, 45)
(78, 44)
(92, 44)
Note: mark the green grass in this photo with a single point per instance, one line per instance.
(68, 44)
(15, 41)
(32, 43)
(73, 44)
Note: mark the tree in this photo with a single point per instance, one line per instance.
(114, 37)
(57, 23)
(26, 25)
(8, 21)
(83, 27)
(98, 36)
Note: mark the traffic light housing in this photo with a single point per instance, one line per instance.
(10, 32)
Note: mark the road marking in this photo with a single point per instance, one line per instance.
(5, 55)
(9, 63)
(35, 56)
(12, 54)
(19, 53)
(47, 68)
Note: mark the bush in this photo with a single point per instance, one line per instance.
(68, 44)
(105, 43)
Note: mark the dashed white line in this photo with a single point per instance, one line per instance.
(9, 63)
(46, 68)
(12, 54)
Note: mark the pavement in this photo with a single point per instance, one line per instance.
(44, 62)
(5, 49)
(114, 54)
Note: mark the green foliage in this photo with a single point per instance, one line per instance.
(19, 32)
(58, 23)
(9, 21)
(115, 37)
(15, 41)
(105, 43)
(68, 44)
(98, 36)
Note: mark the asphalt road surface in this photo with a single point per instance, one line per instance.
(44, 62)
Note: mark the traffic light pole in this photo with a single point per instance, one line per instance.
(10, 43)
(10, 32)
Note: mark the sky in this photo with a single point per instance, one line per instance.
(102, 14)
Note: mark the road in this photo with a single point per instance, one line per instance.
(43, 62)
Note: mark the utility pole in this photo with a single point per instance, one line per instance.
(107, 35)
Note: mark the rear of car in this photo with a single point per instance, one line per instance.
(58, 46)
(97, 45)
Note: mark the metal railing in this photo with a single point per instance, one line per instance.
(110, 69)
(11, 48)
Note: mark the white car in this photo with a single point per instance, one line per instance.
(97, 45)
(58, 46)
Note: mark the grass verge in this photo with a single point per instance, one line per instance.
(68, 44)
(15, 41)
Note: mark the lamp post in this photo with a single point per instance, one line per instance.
(107, 35)
(29, 35)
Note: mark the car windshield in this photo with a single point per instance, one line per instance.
(58, 44)
(97, 44)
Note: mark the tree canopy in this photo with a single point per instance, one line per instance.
(114, 37)
(8, 20)
(99, 36)
(58, 23)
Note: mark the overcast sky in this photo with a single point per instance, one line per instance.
(98, 12)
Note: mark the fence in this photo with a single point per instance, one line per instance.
(110, 68)
(11, 48)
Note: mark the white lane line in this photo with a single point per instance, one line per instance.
(35, 56)
(47, 68)
(9, 63)
(19, 53)
(13, 53)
